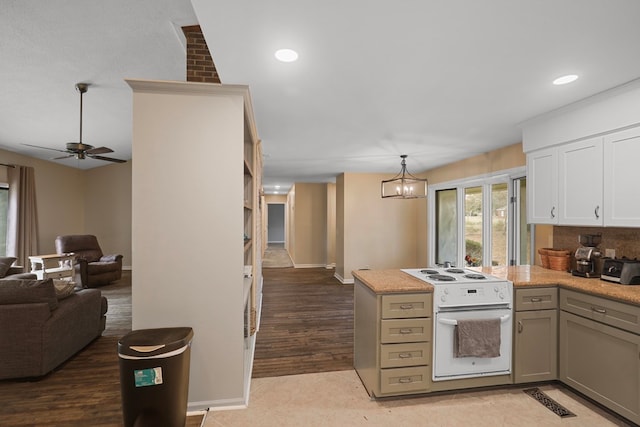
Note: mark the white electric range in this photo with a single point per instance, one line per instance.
(461, 293)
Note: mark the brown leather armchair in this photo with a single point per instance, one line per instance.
(95, 268)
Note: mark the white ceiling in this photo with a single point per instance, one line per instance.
(437, 80)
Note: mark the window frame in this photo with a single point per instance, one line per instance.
(485, 181)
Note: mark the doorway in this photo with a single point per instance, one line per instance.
(275, 223)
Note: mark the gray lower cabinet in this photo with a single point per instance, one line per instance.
(535, 343)
(392, 341)
(600, 351)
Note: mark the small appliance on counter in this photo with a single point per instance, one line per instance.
(588, 256)
(624, 271)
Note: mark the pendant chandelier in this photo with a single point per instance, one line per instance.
(404, 185)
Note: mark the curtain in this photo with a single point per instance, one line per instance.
(22, 216)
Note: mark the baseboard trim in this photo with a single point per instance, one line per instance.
(343, 280)
(309, 265)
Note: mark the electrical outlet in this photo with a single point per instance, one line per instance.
(610, 253)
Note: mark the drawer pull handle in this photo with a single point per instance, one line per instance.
(536, 299)
(597, 212)
(520, 326)
(405, 331)
(406, 307)
(404, 356)
(599, 310)
(553, 212)
(405, 380)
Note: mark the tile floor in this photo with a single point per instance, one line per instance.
(339, 399)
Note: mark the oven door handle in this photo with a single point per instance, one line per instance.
(454, 322)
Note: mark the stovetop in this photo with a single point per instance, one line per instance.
(462, 287)
(440, 275)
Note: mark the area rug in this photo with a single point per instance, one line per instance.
(276, 256)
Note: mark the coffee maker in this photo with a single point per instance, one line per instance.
(588, 256)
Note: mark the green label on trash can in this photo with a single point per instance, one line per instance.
(146, 377)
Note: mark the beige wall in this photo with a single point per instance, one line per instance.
(331, 225)
(75, 201)
(340, 232)
(508, 157)
(107, 204)
(310, 225)
(373, 232)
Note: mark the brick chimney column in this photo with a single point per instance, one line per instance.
(200, 66)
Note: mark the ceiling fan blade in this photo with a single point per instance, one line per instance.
(108, 159)
(45, 148)
(62, 157)
(99, 150)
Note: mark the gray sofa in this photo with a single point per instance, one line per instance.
(40, 329)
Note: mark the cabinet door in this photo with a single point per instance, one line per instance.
(621, 178)
(542, 180)
(601, 362)
(536, 346)
(580, 187)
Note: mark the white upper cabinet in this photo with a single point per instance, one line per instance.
(622, 178)
(542, 183)
(580, 185)
(593, 182)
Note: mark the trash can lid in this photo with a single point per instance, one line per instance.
(154, 342)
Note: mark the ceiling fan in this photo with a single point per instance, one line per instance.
(79, 150)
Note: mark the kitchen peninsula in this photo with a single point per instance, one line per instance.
(524, 276)
(582, 332)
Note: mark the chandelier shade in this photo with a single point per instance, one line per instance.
(404, 185)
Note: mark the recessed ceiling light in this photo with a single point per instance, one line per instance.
(565, 79)
(277, 187)
(286, 55)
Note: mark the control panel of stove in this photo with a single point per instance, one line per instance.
(462, 287)
(465, 294)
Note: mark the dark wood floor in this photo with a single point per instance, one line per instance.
(306, 325)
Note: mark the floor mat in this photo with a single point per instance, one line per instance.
(549, 403)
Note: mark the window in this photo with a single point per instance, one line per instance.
(447, 226)
(521, 253)
(480, 221)
(473, 226)
(4, 203)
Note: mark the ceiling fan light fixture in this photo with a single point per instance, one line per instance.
(404, 185)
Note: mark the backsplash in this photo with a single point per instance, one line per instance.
(625, 241)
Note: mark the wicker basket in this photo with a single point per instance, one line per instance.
(554, 259)
(558, 259)
(544, 257)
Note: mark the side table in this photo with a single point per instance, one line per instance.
(55, 266)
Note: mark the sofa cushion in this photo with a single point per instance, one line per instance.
(64, 288)
(15, 291)
(5, 264)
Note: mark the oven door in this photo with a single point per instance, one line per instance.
(448, 367)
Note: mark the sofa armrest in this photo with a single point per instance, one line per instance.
(21, 327)
(15, 269)
(110, 258)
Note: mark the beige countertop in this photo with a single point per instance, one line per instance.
(392, 281)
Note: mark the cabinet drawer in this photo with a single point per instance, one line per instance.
(614, 313)
(405, 330)
(403, 306)
(58, 274)
(536, 299)
(403, 380)
(412, 354)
